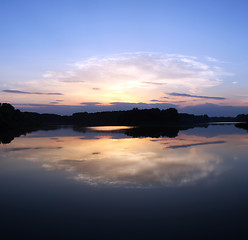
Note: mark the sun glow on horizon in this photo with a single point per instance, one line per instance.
(135, 78)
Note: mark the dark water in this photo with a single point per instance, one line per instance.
(66, 184)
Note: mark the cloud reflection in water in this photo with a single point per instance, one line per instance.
(125, 161)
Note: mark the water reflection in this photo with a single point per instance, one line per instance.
(127, 161)
(109, 128)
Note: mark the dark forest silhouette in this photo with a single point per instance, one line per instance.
(151, 122)
(243, 125)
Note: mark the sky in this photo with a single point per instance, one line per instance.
(66, 56)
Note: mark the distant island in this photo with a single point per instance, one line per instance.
(14, 123)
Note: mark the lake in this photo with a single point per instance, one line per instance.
(119, 183)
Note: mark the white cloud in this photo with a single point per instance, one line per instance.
(136, 77)
(212, 59)
(132, 70)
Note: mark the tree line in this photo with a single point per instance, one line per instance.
(14, 118)
(151, 122)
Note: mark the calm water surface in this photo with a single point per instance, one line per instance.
(100, 183)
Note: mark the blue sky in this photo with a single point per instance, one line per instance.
(98, 54)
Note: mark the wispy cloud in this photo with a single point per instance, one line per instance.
(29, 148)
(194, 96)
(212, 59)
(195, 144)
(146, 71)
(90, 103)
(133, 78)
(157, 100)
(54, 103)
(23, 92)
(67, 76)
(154, 83)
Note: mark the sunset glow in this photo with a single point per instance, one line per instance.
(123, 119)
(99, 61)
(147, 161)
